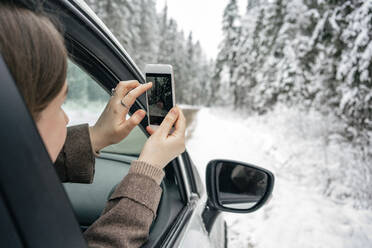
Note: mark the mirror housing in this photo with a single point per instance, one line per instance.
(237, 187)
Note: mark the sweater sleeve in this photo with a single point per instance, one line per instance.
(75, 163)
(127, 217)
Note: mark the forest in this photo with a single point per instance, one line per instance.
(315, 55)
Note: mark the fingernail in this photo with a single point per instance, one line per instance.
(142, 113)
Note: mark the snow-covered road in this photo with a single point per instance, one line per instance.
(298, 215)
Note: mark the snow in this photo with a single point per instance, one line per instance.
(83, 112)
(291, 145)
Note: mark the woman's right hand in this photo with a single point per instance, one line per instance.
(162, 147)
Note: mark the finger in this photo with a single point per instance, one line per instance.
(168, 122)
(150, 130)
(123, 87)
(134, 120)
(132, 95)
(180, 126)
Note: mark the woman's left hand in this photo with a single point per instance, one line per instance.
(112, 126)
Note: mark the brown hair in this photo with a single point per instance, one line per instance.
(34, 51)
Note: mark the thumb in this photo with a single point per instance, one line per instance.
(168, 122)
(150, 130)
(133, 121)
(180, 125)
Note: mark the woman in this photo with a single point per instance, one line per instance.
(35, 53)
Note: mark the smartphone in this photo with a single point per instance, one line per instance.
(161, 97)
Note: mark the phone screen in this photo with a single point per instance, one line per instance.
(159, 97)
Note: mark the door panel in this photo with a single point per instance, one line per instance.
(88, 200)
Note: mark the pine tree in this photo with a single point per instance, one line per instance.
(253, 4)
(147, 45)
(355, 71)
(227, 56)
(117, 15)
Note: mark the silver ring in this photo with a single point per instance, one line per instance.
(113, 91)
(121, 101)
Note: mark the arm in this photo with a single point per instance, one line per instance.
(127, 217)
(75, 162)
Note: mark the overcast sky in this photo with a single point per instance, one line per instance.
(202, 17)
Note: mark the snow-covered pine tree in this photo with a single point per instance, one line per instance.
(192, 70)
(147, 45)
(248, 50)
(355, 71)
(337, 59)
(167, 36)
(227, 57)
(269, 55)
(253, 4)
(172, 51)
(117, 15)
(200, 82)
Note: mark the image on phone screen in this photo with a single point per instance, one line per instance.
(160, 98)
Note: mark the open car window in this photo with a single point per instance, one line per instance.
(84, 104)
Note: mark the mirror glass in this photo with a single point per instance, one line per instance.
(240, 186)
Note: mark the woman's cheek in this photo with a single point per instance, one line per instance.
(60, 130)
(67, 120)
(63, 127)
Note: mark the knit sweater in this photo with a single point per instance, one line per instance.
(130, 210)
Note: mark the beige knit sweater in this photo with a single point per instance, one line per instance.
(127, 217)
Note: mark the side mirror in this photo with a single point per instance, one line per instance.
(237, 187)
